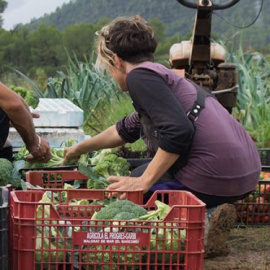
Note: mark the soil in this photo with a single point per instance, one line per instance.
(249, 250)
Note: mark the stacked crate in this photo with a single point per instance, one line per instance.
(254, 210)
(4, 215)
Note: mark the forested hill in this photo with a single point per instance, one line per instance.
(177, 18)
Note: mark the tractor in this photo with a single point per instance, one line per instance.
(203, 61)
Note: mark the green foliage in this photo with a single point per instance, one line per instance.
(108, 114)
(30, 97)
(103, 164)
(5, 171)
(177, 18)
(3, 5)
(9, 174)
(46, 48)
(94, 181)
(42, 43)
(56, 160)
(253, 100)
(112, 165)
(86, 88)
(82, 85)
(77, 39)
(100, 183)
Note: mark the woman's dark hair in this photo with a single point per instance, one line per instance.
(132, 39)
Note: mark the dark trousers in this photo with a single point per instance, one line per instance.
(167, 182)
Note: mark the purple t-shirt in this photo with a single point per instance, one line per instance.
(223, 159)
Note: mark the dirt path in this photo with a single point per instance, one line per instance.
(250, 250)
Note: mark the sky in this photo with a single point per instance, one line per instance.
(23, 11)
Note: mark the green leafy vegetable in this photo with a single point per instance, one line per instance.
(167, 237)
(8, 174)
(5, 171)
(56, 160)
(103, 164)
(30, 97)
(120, 209)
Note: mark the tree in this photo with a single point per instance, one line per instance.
(3, 5)
(159, 28)
(78, 39)
(46, 48)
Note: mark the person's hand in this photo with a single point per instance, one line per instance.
(35, 115)
(70, 154)
(41, 152)
(127, 183)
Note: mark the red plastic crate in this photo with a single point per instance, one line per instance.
(65, 237)
(53, 178)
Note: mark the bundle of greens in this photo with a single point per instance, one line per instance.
(56, 160)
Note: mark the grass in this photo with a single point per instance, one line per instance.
(109, 114)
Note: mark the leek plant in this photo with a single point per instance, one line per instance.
(82, 85)
(253, 100)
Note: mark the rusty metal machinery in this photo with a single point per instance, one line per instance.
(203, 61)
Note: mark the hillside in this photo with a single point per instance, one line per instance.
(178, 19)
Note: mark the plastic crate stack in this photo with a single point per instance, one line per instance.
(4, 209)
(254, 210)
(63, 235)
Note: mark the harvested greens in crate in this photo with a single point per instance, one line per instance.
(66, 229)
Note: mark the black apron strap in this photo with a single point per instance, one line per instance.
(199, 104)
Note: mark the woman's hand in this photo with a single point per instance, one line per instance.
(71, 153)
(127, 183)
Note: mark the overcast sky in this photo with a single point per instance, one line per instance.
(23, 11)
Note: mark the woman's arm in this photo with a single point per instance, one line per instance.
(106, 139)
(160, 164)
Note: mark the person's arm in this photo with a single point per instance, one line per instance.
(21, 118)
(153, 96)
(106, 139)
(161, 162)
